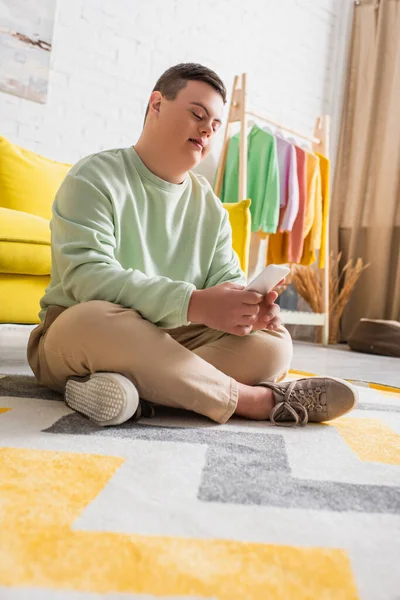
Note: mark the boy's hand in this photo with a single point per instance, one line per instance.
(268, 315)
(227, 307)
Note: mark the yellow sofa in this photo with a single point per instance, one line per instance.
(28, 184)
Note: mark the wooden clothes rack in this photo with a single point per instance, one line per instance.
(320, 143)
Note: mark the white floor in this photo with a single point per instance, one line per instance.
(337, 361)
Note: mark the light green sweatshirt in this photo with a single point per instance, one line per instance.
(262, 178)
(122, 234)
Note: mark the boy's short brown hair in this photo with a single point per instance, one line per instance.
(175, 79)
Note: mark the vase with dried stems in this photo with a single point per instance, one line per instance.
(308, 283)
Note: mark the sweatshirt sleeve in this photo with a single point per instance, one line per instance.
(225, 264)
(271, 204)
(230, 183)
(83, 249)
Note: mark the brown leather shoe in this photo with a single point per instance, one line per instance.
(311, 399)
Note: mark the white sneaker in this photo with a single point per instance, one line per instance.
(106, 398)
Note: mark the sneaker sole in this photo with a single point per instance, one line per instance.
(106, 398)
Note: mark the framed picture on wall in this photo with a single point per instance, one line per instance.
(26, 33)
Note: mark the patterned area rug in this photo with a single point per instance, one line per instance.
(179, 507)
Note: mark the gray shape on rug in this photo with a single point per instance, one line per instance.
(232, 477)
(248, 467)
(270, 447)
(26, 386)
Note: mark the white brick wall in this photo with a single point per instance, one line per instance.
(107, 57)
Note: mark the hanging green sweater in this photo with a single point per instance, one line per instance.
(262, 178)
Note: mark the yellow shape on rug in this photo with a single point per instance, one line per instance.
(386, 390)
(371, 439)
(4, 410)
(43, 492)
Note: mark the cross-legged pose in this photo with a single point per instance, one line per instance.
(146, 304)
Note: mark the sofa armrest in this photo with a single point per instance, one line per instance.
(24, 243)
(18, 226)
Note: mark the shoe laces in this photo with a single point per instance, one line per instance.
(296, 401)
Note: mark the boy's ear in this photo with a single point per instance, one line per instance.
(155, 101)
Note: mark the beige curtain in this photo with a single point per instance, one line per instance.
(365, 210)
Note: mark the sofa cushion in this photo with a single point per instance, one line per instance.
(24, 243)
(28, 181)
(20, 297)
(240, 220)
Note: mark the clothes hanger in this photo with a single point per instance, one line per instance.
(303, 144)
(250, 124)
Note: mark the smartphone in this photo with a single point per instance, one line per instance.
(268, 279)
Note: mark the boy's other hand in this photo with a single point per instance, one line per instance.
(227, 307)
(268, 315)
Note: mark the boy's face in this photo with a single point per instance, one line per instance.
(195, 114)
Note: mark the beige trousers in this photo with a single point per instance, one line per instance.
(193, 367)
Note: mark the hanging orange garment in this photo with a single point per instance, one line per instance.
(277, 248)
(324, 165)
(312, 175)
(313, 233)
(295, 238)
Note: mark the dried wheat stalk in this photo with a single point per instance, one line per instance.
(308, 283)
